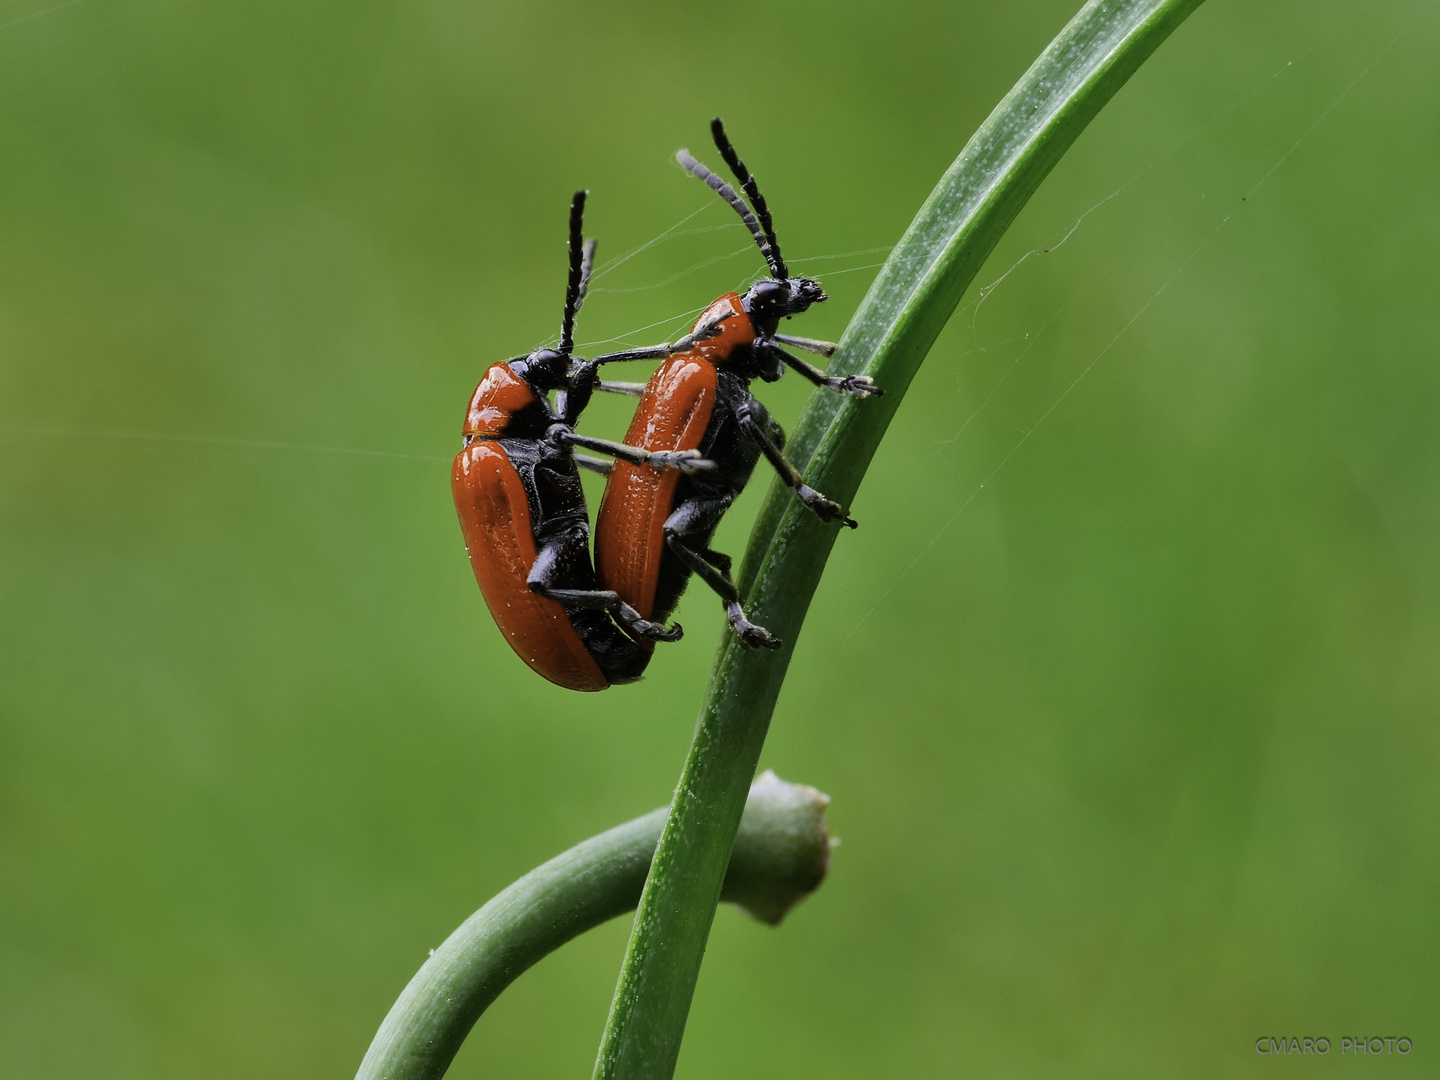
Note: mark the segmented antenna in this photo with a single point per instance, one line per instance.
(581, 257)
(752, 191)
(726, 192)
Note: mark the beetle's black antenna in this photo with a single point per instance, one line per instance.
(582, 256)
(726, 192)
(752, 192)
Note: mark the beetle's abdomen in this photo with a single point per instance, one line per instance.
(674, 413)
(500, 395)
(499, 538)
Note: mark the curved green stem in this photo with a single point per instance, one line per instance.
(781, 854)
(898, 321)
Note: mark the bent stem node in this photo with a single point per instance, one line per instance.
(780, 856)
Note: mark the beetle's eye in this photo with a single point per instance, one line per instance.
(767, 296)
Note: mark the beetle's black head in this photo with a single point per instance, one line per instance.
(778, 298)
(543, 369)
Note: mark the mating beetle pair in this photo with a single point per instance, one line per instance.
(696, 437)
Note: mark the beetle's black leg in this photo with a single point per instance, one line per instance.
(629, 389)
(823, 348)
(649, 352)
(754, 420)
(603, 600)
(698, 516)
(757, 637)
(579, 386)
(704, 332)
(859, 386)
(717, 559)
(661, 352)
(551, 563)
(594, 464)
(687, 461)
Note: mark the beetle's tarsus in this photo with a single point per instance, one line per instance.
(714, 328)
(859, 386)
(687, 461)
(756, 637)
(825, 509)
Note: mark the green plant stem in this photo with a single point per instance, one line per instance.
(904, 311)
(781, 855)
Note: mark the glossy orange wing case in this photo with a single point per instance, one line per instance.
(495, 520)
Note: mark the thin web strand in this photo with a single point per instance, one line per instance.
(1065, 393)
(985, 290)
(38, 14)
(212, 440)
(1033, 339)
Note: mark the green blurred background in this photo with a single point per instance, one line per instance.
(1133, 749)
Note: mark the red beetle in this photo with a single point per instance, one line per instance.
(654, 528)
(523, 514)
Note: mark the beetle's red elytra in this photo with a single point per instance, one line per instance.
(683, 394)
(494, 510)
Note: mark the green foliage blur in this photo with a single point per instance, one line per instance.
(1126, 689)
